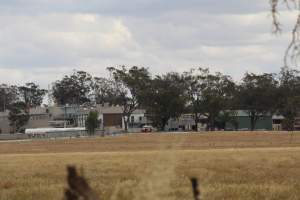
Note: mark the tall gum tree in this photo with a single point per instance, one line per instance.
(73, 89)
(289, 96)
(258, 96)
(166, 99)
(131, 85)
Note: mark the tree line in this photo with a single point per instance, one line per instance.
(198, 91)
(18, 100)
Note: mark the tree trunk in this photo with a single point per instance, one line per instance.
(252, 121)
(211, 123)
(126, 121)
(196, 121)
(163, 124)
(125, 124)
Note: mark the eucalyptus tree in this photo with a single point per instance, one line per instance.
(130, 88)
(193, 80)
(289, 96)
(8, 95)
(166, 99)
(92, 122)
(105, 90)
(217, 94)
(18, 115)
(74, 89)
(31, 94)
(258, 95)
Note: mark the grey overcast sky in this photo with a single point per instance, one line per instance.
(41, 40)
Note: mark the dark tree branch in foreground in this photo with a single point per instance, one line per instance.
(293, 50)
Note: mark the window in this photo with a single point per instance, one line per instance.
(140, 118)
(132, 119)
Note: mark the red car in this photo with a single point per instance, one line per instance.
(147, 129)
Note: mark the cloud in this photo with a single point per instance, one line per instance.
(61, 39)
(41, 40)
(137, 8)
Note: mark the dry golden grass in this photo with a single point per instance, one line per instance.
(156, 166)
(145, 142)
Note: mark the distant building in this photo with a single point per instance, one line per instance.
(277, 122)
(186, 122)
(111, 118)
(75, 116)
(267, 122)
(39, 117)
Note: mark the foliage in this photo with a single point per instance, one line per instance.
(208, 94)
(31, 95)
(225, 117)
(257, 94)
(105, 91)
(217, 92)
(18, 115)
(130, 89)
(166, 99)
(19, 100)
(166, 96)
(289, 98)
(193, 80)
(74, 89)
(92, 122)
(8, 95)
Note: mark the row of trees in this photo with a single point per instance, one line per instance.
(197, 91)
(166, 96)
(18, 100)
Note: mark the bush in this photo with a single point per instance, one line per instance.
(92, 122)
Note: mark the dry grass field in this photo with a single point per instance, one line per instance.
(156, 166)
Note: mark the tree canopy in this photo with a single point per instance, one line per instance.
(166, 98)
(18, 116)
(73, 89)
(257, 94)
(8, 95)
(92, 122)
(31, 94)
(130, 89)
